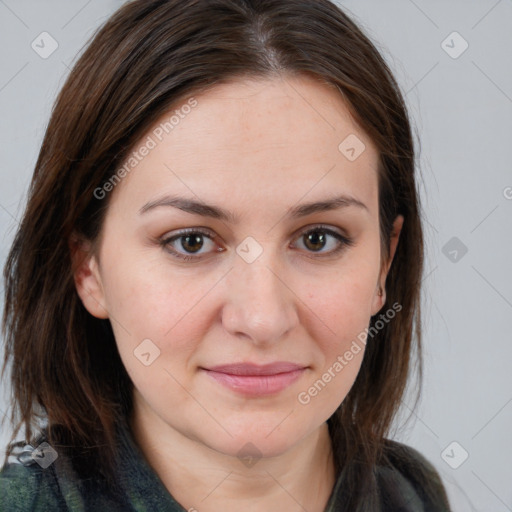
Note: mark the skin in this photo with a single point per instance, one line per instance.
(256, 148)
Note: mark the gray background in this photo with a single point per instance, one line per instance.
(462, 109)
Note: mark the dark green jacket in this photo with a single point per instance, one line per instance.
(27, 486)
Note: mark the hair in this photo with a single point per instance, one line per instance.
(147, 57)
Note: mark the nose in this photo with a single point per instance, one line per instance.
(260, 304)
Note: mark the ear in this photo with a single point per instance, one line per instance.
(87, 277)
(379, 298)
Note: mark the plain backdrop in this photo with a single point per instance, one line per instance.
(453, 62)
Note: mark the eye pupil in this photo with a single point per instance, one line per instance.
(191, 240)
(317, 238)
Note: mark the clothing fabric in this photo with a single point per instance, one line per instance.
(26, 485)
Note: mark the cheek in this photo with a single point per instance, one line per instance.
(146, 305)
(347, 318)
(344, 301)
(344, 306)
(137, 290)
(345, 311)
(146, 302)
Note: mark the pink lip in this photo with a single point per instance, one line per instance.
(255, 380)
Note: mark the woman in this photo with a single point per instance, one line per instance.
(210, 298)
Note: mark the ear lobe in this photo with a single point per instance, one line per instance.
(379, 298)
(87, 278)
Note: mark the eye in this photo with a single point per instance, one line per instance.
(317, 238)
(192, 241)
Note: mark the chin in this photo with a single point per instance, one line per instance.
(254, 442)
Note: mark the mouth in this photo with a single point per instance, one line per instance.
(256, 380)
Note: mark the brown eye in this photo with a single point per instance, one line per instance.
(185, 244)
(188, 244)
(192, 243)
(315, 240)
(318, 238)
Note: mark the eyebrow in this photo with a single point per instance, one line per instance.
(216, 212)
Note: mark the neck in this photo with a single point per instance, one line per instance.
(203, 479)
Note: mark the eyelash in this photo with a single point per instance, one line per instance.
(344, 241)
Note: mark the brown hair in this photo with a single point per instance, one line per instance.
(148, 55)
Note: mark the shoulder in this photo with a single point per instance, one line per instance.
(27, 488)
(29, 482)
(42, 479)
(405, 476)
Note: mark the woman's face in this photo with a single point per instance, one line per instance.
(262, 283)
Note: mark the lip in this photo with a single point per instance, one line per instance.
(256, 380)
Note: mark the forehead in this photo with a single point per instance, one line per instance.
(267, 140)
